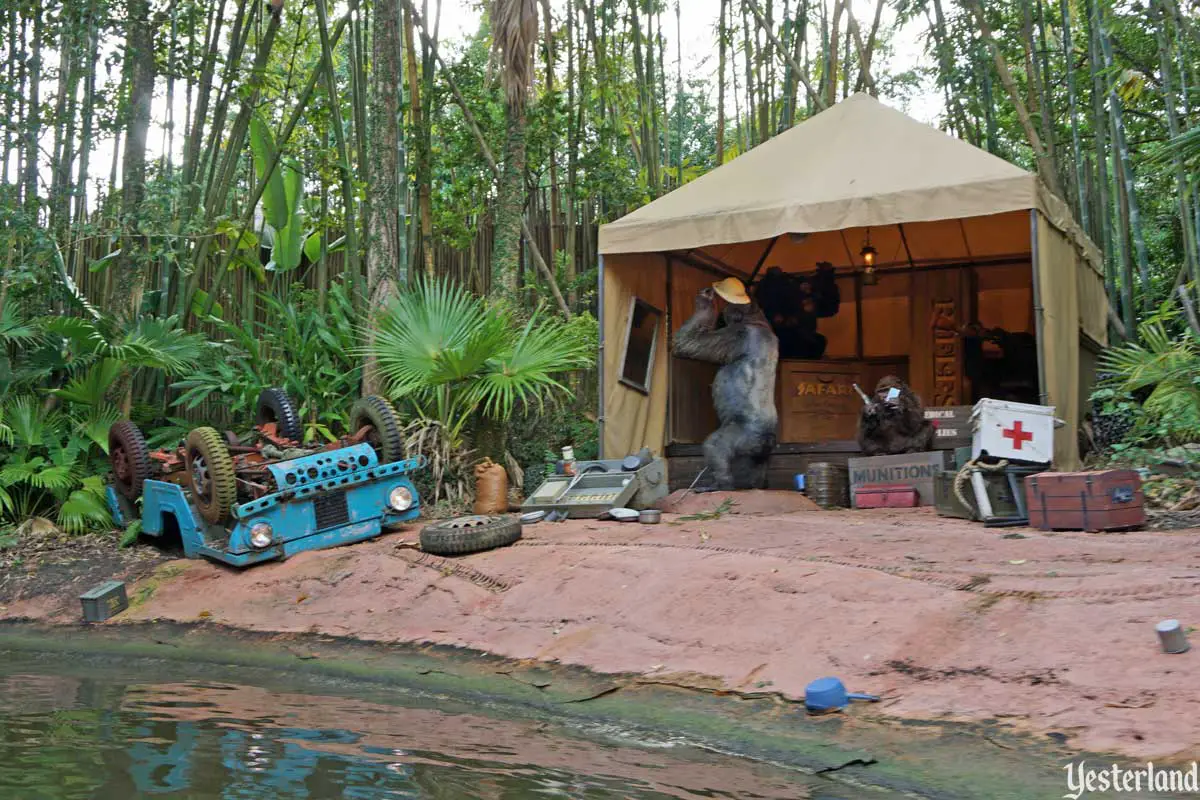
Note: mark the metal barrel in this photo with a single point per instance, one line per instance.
(828, 484)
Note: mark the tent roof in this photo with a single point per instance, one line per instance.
(859, 163)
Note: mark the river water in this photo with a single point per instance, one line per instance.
(73, 727)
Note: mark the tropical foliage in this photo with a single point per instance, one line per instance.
(1163, 366)
(451, 356)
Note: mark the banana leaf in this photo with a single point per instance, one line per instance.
(275, 201)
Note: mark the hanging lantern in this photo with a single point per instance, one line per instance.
(868, 254)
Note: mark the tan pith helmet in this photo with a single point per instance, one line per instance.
(732, 291)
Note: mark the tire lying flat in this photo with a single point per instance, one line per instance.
(473, 534)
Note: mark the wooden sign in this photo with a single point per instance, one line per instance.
(817, 401)
(952, 426)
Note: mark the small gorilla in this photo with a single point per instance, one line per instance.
(889, 427)
(743, 391)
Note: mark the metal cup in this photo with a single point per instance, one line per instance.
(1172, 636)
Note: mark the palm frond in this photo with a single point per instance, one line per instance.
(86, 508)
(91, 387)
(26, 421)
(432, 335)
(14, 330)
(524, 373)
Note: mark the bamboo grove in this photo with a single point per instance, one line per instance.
(188, 159)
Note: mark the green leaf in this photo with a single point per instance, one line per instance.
(289, 240)
(312, 246)
(200, 300)
(131, 534)
(101, 263)
(275, 201)
(90, 388)
(85, 509)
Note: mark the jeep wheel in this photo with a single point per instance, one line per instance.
(211, 475)
(274, 406)
(129, 458)
(386, 435)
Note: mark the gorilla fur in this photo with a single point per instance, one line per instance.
(888, 428)
(743, 392)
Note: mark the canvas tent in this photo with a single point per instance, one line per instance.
(958, 232)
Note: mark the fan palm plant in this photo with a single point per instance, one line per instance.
(453, 356)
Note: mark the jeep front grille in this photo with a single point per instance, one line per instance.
(331, 510)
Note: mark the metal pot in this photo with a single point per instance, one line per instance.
(650, 516)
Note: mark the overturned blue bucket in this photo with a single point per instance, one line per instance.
(829, 694)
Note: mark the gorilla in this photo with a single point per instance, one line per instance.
(744, 388)
(894, 423)
(794, 303)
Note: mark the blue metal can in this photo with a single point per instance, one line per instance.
(799, 478)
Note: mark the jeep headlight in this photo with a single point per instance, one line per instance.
(400, 498)
(260, 535)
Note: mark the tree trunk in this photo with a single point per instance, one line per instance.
(1076, 149)
(32, 121)
(834, 41)
(1099, 127)
(721, 36)
(555, 221)
(139, 53)
(385, 271)
(422, 167)
(1128, 183)
(510, 205)
(574, 126)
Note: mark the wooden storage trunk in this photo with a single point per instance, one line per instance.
(1085, 501)
(878, 496)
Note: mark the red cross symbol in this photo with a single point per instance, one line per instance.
(1018, 434)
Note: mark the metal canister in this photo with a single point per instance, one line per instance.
(828, 484)
(1172, 637)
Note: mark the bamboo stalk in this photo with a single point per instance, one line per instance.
(818, 101)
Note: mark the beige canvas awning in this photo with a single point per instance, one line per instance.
(858, 164)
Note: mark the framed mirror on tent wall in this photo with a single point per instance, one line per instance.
(641, 337)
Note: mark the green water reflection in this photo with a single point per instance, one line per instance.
(71, 732)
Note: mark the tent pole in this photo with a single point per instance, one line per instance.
(1038, 310)
(600, 359)
(669, 428)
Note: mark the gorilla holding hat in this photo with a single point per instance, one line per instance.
(744, 389)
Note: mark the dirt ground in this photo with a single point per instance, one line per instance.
(1052, 633)
(43, 564)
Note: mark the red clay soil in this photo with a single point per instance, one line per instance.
(1049, 632)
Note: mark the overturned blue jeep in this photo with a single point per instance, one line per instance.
(265, 496)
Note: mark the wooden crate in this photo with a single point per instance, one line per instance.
(916, 470)
(879, 496)
(1085, 501)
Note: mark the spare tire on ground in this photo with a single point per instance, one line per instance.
(462, 535)
(275, 406)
